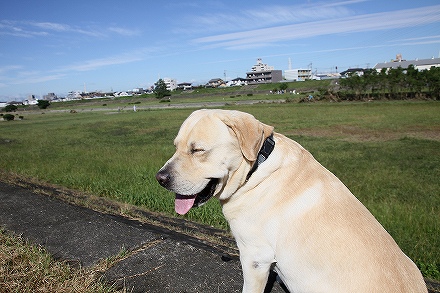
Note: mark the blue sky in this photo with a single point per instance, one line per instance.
(60, 46)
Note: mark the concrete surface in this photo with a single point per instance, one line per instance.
(151, 258)
(158, 259)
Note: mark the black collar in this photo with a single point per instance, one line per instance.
(263, 154)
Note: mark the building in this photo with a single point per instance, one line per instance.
(352, 71)
(171, 84)
(215, 82)
(419, 64)
(31, 100)
(262, 73)
(299, 74)
(138, 91)
(184, 86)
(73, 96)
(50, 97)
(239, 81)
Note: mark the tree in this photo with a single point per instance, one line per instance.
(283, 86)
(433, 81)
(160, 89)
(396, 78)
(43, 104)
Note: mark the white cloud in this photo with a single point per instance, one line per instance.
(32, 29)
(98, 63)
(51, 26)
(62, 28)
(361, 23)
(124, 32)
(434, 38)
(12, 28)
(37, 78)
(8, 68)
(265, 16)
(123, 58)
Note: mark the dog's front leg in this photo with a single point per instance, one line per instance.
(255, 273)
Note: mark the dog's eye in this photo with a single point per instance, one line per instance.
(194, 148)
(197, 150)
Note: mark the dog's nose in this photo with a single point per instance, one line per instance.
(163, 178)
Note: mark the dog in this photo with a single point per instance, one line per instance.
(286, 211)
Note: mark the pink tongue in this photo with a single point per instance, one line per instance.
(183, 203)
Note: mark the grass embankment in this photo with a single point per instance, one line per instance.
(387, 153)
(228, 95)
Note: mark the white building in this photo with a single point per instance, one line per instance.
(31, 100)
(260, 66)
(138, 91)
(171, 84)
(237, 82)
(299, 74)
(419, 64)
(73, 96)
(122, 94)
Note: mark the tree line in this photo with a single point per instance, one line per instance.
(393, 83)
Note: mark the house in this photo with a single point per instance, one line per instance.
(215, 82)
(352, 71)
(419, 64)
(31, 100)
(184, 86)
(3, 104)
(262, 73)
(123, 94)
(239, 81)
(323, 76)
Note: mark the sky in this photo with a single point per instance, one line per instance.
(107, 45)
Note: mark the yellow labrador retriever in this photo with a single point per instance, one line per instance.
(286, 211)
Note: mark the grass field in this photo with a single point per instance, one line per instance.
(387, 153)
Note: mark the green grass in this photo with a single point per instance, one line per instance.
(387, 153)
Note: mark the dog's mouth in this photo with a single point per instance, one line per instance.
(184, 203)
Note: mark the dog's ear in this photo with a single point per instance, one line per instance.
(250, 132)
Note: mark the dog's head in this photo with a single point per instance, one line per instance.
(214, 152)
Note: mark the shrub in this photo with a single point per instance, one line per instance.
(10, 108)
(8, 117)
(43, 104)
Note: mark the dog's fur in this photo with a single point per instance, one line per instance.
(292, 215)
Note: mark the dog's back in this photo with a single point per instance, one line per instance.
(325, 240)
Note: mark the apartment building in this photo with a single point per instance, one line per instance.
(263, 73)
